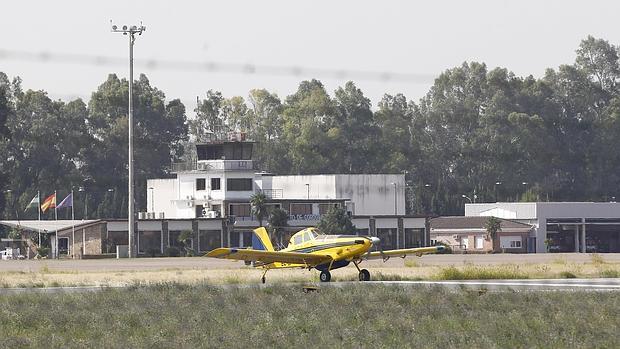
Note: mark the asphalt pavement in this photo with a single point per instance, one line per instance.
(598, 285)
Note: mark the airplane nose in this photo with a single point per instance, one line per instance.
(375, 240)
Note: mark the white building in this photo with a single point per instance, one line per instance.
(222, 180)
(561, 226)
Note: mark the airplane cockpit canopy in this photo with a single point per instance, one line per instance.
(305, 235)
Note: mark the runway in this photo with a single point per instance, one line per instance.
(509, 285)
(591, 285)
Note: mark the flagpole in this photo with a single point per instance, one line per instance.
(72, 226)
(39, 202)
(56, 233)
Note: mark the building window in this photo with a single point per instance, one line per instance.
(271, 207)
(239, 184)
(302, 209)
(114, 239)
(149, 242)
(413, 237)
(209, 239)
(200, 184)
(215, 184)
(362, 232)
(388, 238)
(173, 240)
(515, 244)
(324, 208)
(240, 210)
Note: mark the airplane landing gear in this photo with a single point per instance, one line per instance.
(364, 275)
(263, 279)
(325, 276)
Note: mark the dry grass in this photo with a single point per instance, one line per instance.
(410, 269)
(183, 316)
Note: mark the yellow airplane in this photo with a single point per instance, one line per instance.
(310, 249)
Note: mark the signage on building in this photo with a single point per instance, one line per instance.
(304, 217)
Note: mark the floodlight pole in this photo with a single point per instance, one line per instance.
(130, 31)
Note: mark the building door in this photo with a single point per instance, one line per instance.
(464, 242)
(479, 242)
(63, 246)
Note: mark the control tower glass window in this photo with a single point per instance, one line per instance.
(200, 184)
(239, 184)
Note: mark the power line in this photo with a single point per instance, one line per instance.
(216, 67)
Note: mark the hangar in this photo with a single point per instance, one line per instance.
(561, 226)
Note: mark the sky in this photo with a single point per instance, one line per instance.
(400, 37)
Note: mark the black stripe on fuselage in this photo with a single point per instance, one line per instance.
(315, 248)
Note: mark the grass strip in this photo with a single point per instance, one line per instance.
(173, 315)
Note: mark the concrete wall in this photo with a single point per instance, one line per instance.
(373, 194)
(294, 187)
(507, 210)
(160, 199)
(88, 240)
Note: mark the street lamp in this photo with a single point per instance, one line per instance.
(10, 195)
(466, 197)
(83, 190)
(496, 184)
(132, 31)
(395, 202)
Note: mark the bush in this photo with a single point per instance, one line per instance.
(447, 248)
(480, 273)
(609, 273)
(172, 252)
(152, 252)
(568, 275)
(43, 251)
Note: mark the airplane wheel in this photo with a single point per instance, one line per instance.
(325, 276)
(263, 280)
(364, 275)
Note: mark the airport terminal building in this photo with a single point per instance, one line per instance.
(210, 199)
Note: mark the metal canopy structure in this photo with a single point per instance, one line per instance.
(50, 226)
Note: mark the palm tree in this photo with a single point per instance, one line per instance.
(493, 225)
(259, 208)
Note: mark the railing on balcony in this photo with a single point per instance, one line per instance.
(212, 165)
(273, 193)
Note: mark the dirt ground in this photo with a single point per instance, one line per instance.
(113, 272)
(150, 264)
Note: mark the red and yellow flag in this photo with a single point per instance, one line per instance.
(50, 202)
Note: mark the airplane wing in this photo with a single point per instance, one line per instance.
(403, 252)
(267, 257)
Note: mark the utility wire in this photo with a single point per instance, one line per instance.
(215, 67)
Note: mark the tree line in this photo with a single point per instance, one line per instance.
(477, 131)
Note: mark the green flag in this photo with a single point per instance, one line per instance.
(33, 203)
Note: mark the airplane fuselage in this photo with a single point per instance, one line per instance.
(342, 248)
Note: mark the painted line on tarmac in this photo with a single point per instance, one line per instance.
(495, 283)
(67, 289)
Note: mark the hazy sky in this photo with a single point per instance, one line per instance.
(384, 36)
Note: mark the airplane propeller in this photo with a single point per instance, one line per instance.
(375, 241)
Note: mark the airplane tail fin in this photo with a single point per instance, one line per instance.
(261, 240)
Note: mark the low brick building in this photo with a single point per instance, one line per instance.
(469, 235)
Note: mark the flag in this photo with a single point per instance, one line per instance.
(33, 203)
(50, 202)
(67, 202)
